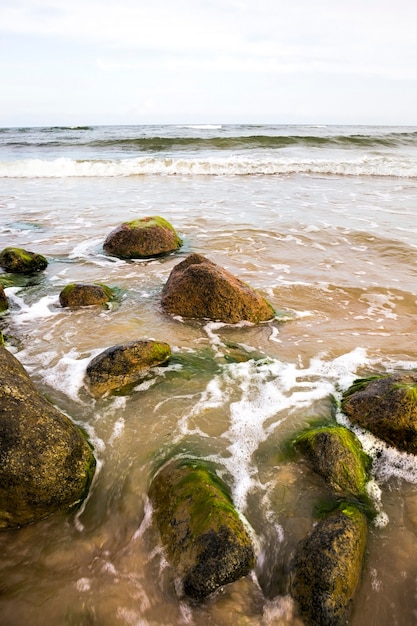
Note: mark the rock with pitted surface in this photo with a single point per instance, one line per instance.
(327, 567)
(84, 294)
(46, 463)
(387, 407)
(204, 538)
(20, 261)
(124, 364)
(142, 238)
(198, 288)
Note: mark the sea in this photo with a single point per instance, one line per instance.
(322, 221)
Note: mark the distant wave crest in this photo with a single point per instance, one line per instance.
(235, 165)
(48, 137)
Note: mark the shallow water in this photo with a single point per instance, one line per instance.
(336, 257)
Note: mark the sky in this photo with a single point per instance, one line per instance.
(83, 62)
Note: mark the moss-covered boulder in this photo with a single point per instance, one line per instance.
(336, 454)
(142, 238)
(327, 567)
(20, 261)
(387, 407)
(85, 294)
(46, 464)
(202, 533)
(124, 364)
(198, 288)
(4, 303)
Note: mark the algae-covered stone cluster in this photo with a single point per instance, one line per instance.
(327, 564)
(21, 261)
(204, 537)
(387, 407)
(335, 453)
(46, 463)
(124, 364)
(82, 294)
(143, 238)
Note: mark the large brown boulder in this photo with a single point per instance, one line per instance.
(327, 567)
(202, 533)
(142, 238)
(20, 261)
(85, 294)
(124, 364)
(387, 407)
(46, 464)
(198, 288)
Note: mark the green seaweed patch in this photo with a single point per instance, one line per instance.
(410, 390)
(150, 222)
(195, 363)
(331, 504)
(359, 384)
(287, 449)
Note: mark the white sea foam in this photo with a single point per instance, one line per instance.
(45, 307)
(68, 374)
(267, 392)
(208, 166)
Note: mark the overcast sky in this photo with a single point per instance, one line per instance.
(75, 62)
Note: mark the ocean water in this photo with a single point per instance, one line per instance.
(322, 221)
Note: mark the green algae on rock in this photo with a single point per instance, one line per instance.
(46, 463)
(85, 294)
(142, 238)
(124, 364)
(20, 261)
(4, 303)
(200, 289)
(327, 567)
(205, 539)
(336, 454)
(386, 406)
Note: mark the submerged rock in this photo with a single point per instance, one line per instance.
(203, 535)
(20, 261)
(387, 407)
(4, 303)
(336, 454)
(124, 364)
(198, 288)
(327, 567)
(46, 464)
(81, 294)
(142, 238)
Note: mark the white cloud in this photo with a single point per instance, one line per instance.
(145, 51)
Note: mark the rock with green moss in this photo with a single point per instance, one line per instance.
(4, 303)
(198, 288)
(336, 454)
(124, 364)
(143, 238)
(387, 407)
(20, 261)
(204, 538)
(85, 294)
(46, 463)
(327, 567)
